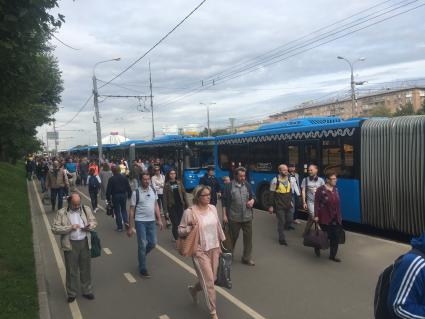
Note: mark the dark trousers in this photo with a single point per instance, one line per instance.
(120, 209)
(234, 229)
(284, 220)
(83, 179)
(59, 193)
(176, 214)
(93, 198)
(42, 180)
(332, 231)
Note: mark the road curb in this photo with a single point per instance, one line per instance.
(43, 302)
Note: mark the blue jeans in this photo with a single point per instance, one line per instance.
(146, 241)
(59, 193)
(42, 183)
(120, 209)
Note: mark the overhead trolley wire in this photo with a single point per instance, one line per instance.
(250, 69)
(155, 45)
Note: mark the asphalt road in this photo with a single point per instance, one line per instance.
(287, 282)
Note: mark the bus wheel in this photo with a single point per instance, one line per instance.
(263, 196)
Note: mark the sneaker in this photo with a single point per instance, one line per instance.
(95, 210)
(119, 230)
(71, 299)
(193, 293)
(248, 262)
(317, 252)
(89, 296)
(145, 274)
(337, 260)
(297, 221)
(283, 242)
(214, 316)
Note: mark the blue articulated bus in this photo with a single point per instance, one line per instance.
(190, 155)
(380, 164)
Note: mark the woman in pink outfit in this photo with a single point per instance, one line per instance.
(205, 259)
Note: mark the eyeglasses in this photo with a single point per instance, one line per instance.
(204, 195)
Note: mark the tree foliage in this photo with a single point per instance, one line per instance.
(30, 85)
(406, 110)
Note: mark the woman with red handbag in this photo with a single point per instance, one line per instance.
(203, 217)
(327, 211)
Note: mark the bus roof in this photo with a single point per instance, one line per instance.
(281, 129)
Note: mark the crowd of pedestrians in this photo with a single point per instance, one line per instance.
(156, 193)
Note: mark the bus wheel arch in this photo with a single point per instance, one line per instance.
(263, 194)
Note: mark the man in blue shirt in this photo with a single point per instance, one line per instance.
(71, 167)
(406, 296)
(144, 210)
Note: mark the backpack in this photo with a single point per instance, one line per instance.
(381, 309)
(138, 195)
(93, 183)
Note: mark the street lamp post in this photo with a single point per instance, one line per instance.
(353, 83)
(96, 108)
(208, 116)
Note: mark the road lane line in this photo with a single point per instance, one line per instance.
(164, 317)
(130, 278)
(107, 251)
(248, 310)
(73, 306)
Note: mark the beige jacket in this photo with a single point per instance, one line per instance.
(62, 225)
(60, 180)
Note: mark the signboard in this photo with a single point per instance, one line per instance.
(192, 129)
(170, 130)
(52, 135)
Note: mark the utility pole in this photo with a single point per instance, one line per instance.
(208, 115)
(97, 116)
(151, 96)
(56, 138)
(232, 125)
(353, 83)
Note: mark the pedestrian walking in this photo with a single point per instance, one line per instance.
(71, 167)
(175, 201)
(327, 212)
(210, 180)
(94, 183)
(42, 171)
(74, 224)
(83, 170)
(93, 165)
(296, 192)
(57, 182)
(406, 296)
(158, 182)
(30, 167)
(238, 201)
(309, 186)
(118, 190)
(207, 252)
(144, 216)
(105, 174)
(280, 201)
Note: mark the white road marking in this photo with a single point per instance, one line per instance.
(248, 310)
(129, 277)
(107, 251)
(73, 306)
(164, 317)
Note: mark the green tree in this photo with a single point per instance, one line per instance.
(405, 110)
(30, 85)
(421, 111)
(380, 111)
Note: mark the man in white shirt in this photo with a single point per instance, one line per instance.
(144, 210)
(74, 224)
(309, 186)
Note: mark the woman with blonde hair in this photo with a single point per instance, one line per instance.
(205, 258)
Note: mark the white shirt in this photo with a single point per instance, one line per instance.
(158, 183)
(75, 218)
(208, 222)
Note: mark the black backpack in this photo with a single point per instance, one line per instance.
(381, 309)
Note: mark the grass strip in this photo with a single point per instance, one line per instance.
(18, 286)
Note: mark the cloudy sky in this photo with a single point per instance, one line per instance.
(216, 45)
